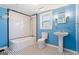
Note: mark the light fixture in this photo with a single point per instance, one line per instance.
(55, 17)
(68, 15)
(0, 17)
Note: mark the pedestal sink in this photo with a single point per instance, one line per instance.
(60, 40)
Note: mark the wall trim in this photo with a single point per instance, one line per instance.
(19, 12)
(52, 45)
(8, 27)
(69, 50)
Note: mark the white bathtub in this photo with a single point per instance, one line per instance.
(18, 44)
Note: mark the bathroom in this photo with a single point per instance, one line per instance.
(23, 28)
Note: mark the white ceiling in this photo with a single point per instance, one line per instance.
(31, 9)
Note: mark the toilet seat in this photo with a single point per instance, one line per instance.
(41, 41)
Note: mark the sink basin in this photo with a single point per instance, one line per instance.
(61, 33)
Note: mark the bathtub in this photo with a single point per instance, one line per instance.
(18, 44)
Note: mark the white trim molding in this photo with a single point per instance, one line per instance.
(69, 50)
(52, 45)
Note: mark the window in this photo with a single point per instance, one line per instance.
(46, 20)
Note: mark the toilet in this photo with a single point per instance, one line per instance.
(41, 41)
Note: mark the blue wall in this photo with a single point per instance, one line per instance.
(3, 28)
(69, 26)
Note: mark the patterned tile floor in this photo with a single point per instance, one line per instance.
(3, 53)
(32, 50)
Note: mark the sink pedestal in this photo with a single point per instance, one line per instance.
(60, 44)
(60, 36)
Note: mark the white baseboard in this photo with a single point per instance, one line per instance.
(69, 50)
(72, 51)
(52, 45)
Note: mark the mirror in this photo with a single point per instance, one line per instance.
(60, 18)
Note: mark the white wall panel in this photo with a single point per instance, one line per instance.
(19, 25)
